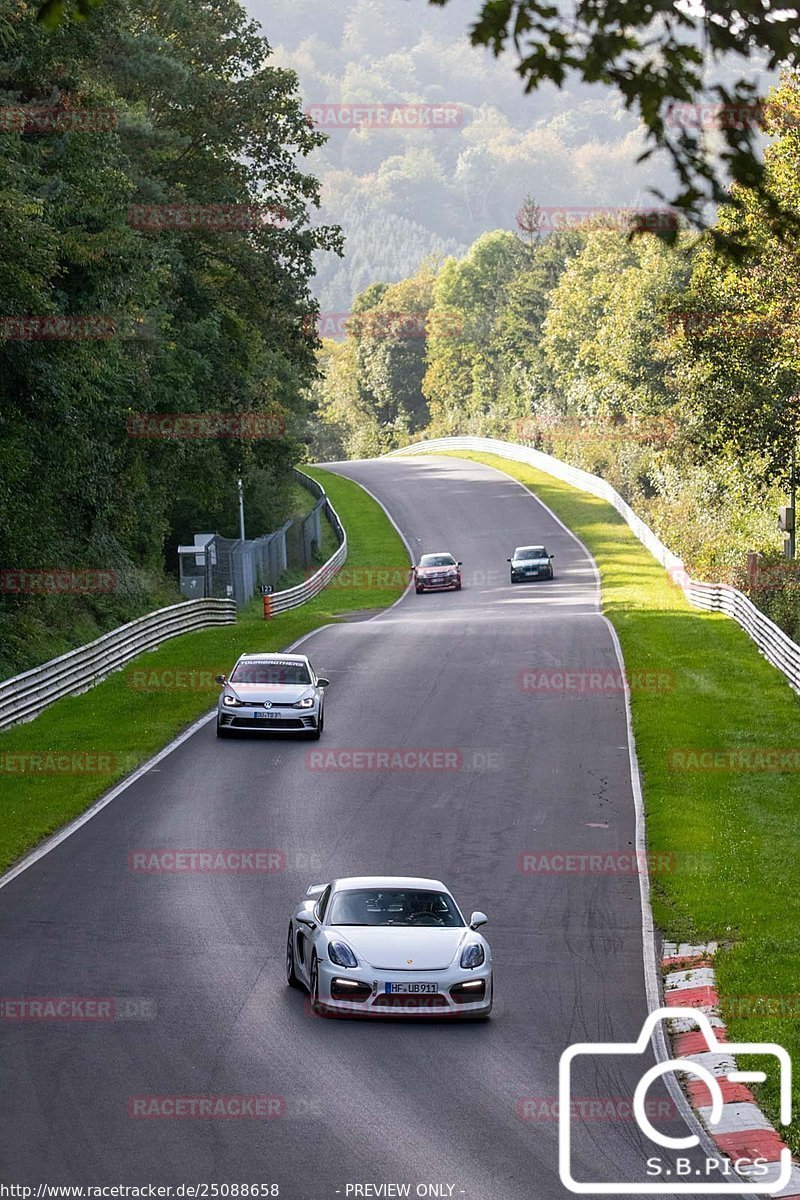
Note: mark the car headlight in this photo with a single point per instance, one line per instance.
(342, 955)
(473, 956)
(306, 702)
(231, 701)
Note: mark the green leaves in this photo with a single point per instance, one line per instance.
(654, 54)
(205, 319)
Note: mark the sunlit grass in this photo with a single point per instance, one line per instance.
(136, 711)
(734, 834)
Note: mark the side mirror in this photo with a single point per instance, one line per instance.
(307, 919)
(477, 918)
(323, 682)
(220, 679)
(459, 564)
(508, 560)
(551, 556)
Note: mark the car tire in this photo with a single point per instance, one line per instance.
(316, 734)
(458, 587)
(291, 977)
(222, 732)
(313, 988)
(419, 590)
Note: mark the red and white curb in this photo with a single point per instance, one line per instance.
(743, 1133)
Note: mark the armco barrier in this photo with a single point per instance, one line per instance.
(292, 597)
(24, 696)
(776, 646)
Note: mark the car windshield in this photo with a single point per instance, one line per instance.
(437, 560)
(529, 552)
(271, 674)
(366, 906)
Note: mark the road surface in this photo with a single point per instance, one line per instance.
(467, 1107)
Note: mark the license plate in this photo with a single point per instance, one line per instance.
(267, 716)
(410, 989)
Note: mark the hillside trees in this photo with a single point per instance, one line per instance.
(202, 320)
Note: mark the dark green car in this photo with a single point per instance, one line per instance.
(531, 562)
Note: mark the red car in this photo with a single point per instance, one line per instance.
(437, 573)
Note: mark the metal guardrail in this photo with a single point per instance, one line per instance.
(25, 696)
(294, 596)
(776, 646)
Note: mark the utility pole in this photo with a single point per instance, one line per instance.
(786, 513)
(793, 500)
(241, 509)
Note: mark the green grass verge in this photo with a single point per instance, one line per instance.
(132, 714)
(734, 834)
(301, 503)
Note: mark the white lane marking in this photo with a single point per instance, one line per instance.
(397, 530)
(61, 835)
(650, 958)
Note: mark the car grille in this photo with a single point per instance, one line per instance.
(231, 721)
(428, 1001)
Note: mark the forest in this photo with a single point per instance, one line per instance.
(157, 247)
(669, 369)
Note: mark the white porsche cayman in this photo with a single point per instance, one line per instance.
(389, 946)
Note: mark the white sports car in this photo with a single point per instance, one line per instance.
(389, 946)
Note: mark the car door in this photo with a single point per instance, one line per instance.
(306, 937)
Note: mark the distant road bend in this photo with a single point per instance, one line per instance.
(465, 1106)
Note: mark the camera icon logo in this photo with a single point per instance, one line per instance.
(666, 1186)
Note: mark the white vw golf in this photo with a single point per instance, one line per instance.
(387, 945)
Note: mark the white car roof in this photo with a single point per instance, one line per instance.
(266, 657)
(387, 881)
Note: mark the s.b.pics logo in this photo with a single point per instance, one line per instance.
(669, 1168)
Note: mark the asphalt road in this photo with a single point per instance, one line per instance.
(361, 1102)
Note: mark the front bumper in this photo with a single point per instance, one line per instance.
(379, 1003)
(540, 573)
(289, 720)
(446, 583)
